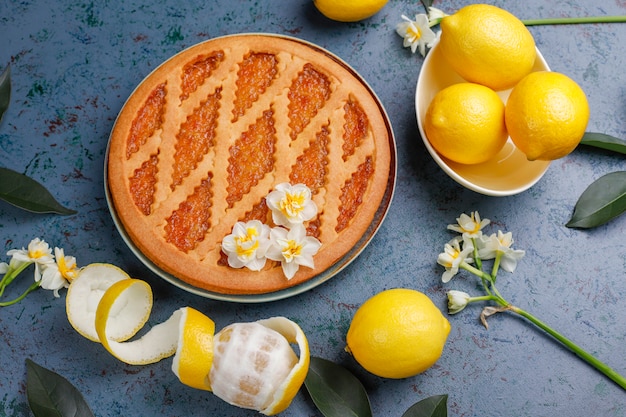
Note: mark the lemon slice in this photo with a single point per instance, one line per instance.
(194, 355)
(255, 367)
(84, 294)
(123, 310)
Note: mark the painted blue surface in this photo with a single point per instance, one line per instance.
(74, 64)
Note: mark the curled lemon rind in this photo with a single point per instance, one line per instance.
(285, 393)
(84, 295)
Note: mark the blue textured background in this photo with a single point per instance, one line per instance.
(74, 64)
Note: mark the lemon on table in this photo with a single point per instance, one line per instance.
(465, 123)
(487, 45)
(349, 10)
(397, 333)
(546, 115)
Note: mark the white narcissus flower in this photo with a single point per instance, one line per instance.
(416, 33)
(59, 275)
(501, 244)
(457, 301)
(38, 252)
(453, 257)
(292, 248)
(247, 244)
(470, 226)
(291, 204)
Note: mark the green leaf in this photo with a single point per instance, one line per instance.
(602, 201)
(427, 4)
(600, 140)
(435, 406)
(336, 391)
(28, 194)
(51, 395)
(5, 91)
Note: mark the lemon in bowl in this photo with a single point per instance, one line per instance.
(509, 172)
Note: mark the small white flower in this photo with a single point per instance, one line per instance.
(453, 256)
(4, 267)
(501, 244)
(416, 33)
(435, 16)
(59, 275)
(457, 301)
(470, 226)
(38, 252)
(292, 248)
(247, 244)
(291, 204)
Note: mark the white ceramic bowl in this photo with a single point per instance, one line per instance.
(509, 172)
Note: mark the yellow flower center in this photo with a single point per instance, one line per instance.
(36, 254)
(292, 204)
(246, 245)
(291, 250)
(69, 273)
(415, 32)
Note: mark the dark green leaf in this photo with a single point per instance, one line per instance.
(435, 406)
(602, 201)
(5, 91)
(28, 194)
(51, 395)
(427, 4)
(600, 140)
(336, 391)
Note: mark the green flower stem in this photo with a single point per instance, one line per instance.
(496, 266)
(592, 360)
(30, 289)
(574, 20)
(11, 275)
(483, 298)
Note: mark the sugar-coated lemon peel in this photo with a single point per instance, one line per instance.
(109, 307)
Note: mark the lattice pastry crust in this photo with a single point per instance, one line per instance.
(207, 135)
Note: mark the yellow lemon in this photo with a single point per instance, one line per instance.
(397, 333)
(465, 123)
(487, 45)
(349, 10)
(547, 115)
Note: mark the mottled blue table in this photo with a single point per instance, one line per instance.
(74, 64)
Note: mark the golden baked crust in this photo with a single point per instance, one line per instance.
(206, 136)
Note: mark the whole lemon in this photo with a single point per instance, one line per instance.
(465, 123)
(349, 10)
(546, 115)
(397, 333)
(487, 45)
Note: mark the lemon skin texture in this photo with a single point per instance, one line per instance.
(546, 115)
(397, 333)
(465, 123)
(349, 10)
(487, 45)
